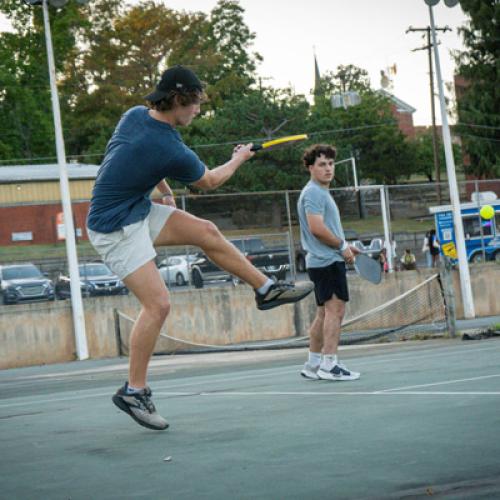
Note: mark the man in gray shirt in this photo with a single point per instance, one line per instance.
(322, 238)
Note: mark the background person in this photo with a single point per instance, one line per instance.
(327, 250)
(426, 250)
(382, 258)
(408, 261)
(434, 247)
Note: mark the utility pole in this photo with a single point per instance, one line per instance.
(428, 47)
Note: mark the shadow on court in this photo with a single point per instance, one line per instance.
(422, 421)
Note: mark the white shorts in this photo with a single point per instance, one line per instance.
(130, 247)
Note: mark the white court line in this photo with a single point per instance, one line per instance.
(340, 393)
(158, 364)
(90, 393)
(445, 382)
(212, 379)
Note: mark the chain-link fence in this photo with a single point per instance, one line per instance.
(31, 225)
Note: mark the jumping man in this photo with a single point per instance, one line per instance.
(124, 226)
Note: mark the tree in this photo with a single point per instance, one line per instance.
(259, 115)
(478, 106)
(233, 72)
(25, 106)
(368, 129)
(423, 153)
(344, 79)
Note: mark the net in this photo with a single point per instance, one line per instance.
(418, 312)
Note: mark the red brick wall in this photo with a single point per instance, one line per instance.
(405, 122)
(40, 220)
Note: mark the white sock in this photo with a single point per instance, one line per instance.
(131, 390)
(328, 362)
(265, 287)
(314, 358)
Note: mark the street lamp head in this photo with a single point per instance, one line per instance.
(448, 3)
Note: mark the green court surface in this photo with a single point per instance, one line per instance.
(423, 421)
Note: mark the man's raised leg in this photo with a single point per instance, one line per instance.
(186, 229)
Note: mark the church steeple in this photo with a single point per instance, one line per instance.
(317, 77)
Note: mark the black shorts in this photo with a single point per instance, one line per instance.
(329, 281)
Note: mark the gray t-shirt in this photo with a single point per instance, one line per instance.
(317, 200)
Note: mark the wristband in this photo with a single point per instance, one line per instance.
(344, 246)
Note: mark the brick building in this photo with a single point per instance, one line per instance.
(402, 112)
(30, 202)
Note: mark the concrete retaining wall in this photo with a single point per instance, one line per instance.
(42, 333)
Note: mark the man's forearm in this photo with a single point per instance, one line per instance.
(221, 174)
(164, 188)
(328, 238)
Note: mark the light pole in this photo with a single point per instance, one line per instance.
(76, 295)
(463, 265)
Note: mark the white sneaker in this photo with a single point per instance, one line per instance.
(310, 371)
(338, 372)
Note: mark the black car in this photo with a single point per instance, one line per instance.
(24, 282)
(272, 262)
(95, 279)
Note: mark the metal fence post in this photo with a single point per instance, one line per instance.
(388, 244)
(476, 186)
(291, 242)
(449, 295)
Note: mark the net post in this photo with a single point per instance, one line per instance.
(291, 243)
(118, 337)
(448, 294)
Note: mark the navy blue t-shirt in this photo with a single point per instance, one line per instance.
(141, 152)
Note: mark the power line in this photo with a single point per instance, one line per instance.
(213, 145)
(473, 125)
(491, 139)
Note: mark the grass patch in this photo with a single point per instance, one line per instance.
(36, 252)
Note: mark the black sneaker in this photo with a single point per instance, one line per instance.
(140, 407)
(282, 292)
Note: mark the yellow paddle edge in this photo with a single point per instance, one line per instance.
(282, 141)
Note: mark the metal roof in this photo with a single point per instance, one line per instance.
(48, 172)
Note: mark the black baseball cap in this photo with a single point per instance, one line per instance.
(175, 78)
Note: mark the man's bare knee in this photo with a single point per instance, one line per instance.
(335, 307)
(210, 235)
(159, 309)
(320, 313)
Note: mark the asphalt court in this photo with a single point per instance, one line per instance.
(422, 421)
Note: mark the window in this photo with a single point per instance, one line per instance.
(472, 227)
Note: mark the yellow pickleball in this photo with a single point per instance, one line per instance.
(487, 212)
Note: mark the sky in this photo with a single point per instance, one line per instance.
(367, 33)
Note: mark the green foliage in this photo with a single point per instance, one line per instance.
(478, 107)
(370, 132)
(109, 55)
(423, 155)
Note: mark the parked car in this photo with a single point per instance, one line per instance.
(95, 279)
(175, 269)
(272, 261)
(24, 282)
